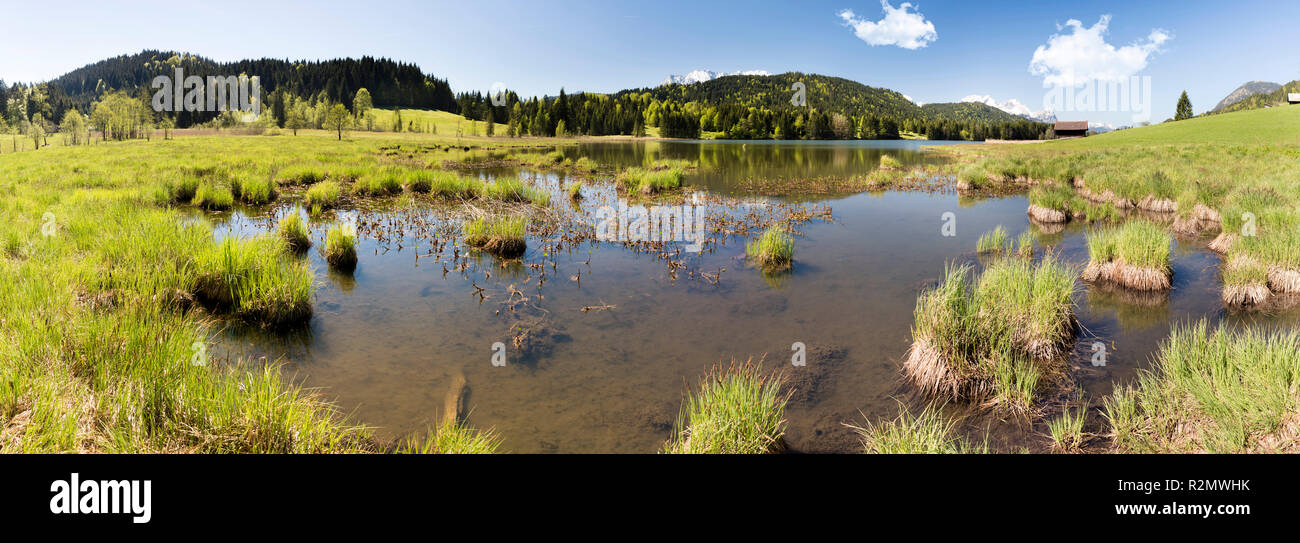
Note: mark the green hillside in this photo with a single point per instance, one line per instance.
(1277, 125)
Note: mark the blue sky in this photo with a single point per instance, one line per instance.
(536, 47)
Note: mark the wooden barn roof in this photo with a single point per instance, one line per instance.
(1071, 125)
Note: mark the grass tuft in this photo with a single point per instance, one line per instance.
(737, 410)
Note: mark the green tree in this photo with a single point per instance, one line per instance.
(296, 117)
(1184, 110)
(37, 130)
(72, 127)
(338, 119)
(361, 103)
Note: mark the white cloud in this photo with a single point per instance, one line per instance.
(1083, 55)
(909, 99)
(900, 27)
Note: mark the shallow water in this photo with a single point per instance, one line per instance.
(387, 342)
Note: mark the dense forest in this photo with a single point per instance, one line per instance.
(752, 107)
(390, 83)
(299, 95)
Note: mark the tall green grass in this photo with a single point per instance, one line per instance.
(340, 249)
(927, 433)
(736, 410)
(325, 195)
(775, 248)
(1213, 390)
(452, 437)
(212, 197)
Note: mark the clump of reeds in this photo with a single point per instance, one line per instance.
(995, 241)
(340, 249)
(995, 339)
(419, 181)
(213, 197)
(182, 190)
(323, 195)
(972, 177)
(383, 183)
(575, 190)
(1051, 203)
(890, 162)
(301, 174)
(293, 230)
(927, 433)
(1134, 255)
(1245, 282)
(449, 185)
(1213, 390)
(652, 180)
(1025, 244)
(1067, 429)
(452, 437)
(514, 190)
(501, 236)
(738, 409)
(773, 250)
(253, 279)
(253, 189)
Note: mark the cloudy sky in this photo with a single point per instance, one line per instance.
(933, 51)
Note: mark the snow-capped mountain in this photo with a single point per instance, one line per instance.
(1013, 107)
(700, 76)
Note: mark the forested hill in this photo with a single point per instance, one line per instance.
(775, 92)
(825, 93)
(390, 83)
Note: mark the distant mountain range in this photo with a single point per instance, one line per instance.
(700, 76)
(1013, 107)
(1246, 91)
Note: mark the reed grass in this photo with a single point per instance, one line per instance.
(323, 195)
(293, 230)
(927, 433)
(995, 241)
(340, 249)
(994, 339)
(1134, 255)
(737, 409)
(212, 197)
(452, 437)
(772, 250)
(1213, 390)
(502, 236)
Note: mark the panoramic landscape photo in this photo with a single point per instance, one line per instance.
(680, 227)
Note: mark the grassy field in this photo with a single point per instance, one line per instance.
(114, 290)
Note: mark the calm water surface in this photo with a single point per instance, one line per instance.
(387, 343)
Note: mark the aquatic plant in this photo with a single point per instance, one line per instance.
(323, 195)
(501, 236)
(995, 339)
(251, 279)
(213, 198)
(927, 433)
(293, 230)
(575, 190)
(340, 249)
(301, 174)
(995, 241)
(383, 183)
(738, 409)
(1212, 390)
(1067, 429)
(1134, 255)
(452, 437)
(773, 250)
(253, 189)
(890, 162)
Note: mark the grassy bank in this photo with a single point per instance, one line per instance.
(1213, 390)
